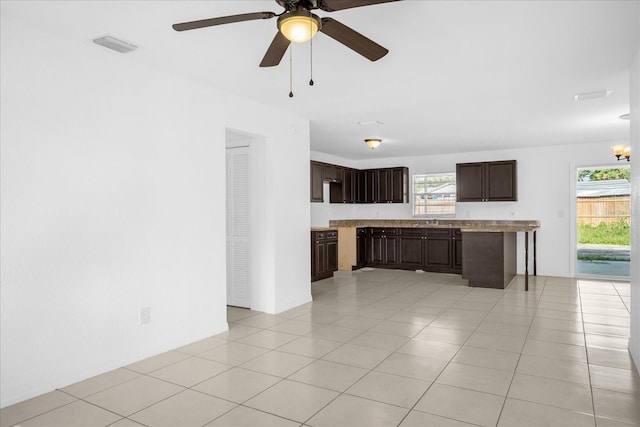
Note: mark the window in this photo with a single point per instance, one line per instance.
(434, 194)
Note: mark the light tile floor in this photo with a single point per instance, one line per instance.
(383, 348)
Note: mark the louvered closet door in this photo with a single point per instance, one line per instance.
(238, 290)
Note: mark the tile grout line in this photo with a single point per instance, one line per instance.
(522, 349)
(351, 309)
(453, 357)
(373, 368)
(584, 334)
(368, 372)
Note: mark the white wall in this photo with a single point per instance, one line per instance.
(634, 341)
(546, 180)
(113, 196)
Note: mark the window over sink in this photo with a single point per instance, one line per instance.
(434, 194)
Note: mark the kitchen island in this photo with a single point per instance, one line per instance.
(399, 243)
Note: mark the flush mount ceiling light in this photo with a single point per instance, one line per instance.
(621, 151)
(372, 142)
(370, 122)
(591, 95)
(115, 44)
(626, 116)
(299, 26)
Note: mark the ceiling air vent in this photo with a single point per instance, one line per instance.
(115, 44)
(592, 95)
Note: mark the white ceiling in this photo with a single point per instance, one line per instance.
(460, 75)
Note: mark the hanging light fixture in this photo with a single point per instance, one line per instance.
(299, 26)
(621, 151)
(372, 142)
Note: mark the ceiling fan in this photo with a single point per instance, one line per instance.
(298, 24)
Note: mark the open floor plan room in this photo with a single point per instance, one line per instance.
(383, 348)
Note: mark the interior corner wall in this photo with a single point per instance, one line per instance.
(634, 340)
(113, 189)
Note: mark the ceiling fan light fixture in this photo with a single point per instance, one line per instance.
(299, 27)
(372, 142)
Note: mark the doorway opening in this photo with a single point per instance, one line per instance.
(603, 222)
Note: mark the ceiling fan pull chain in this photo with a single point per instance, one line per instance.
(311, 53)
(291, 72)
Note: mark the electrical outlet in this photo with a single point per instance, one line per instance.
(145, 315)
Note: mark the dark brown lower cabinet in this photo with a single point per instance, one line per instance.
(332, 254)
(428, 249)
(412, 242)
(438, 253)
(324, 254)
(457, 250)
(384, 247)
(362, 244)
(489, 259)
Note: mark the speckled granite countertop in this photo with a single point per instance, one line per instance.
(323, 228)
(468, 225)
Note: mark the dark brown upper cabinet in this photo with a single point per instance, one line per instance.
(392, 185)
(487, 181)
(317, 175)
(372, 181)
(386, 185)
(345, 190)
(332, 173)
(361, 186)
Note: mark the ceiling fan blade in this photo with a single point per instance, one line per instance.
(333, 5)
(276, 51)
(222, 20)
(353, 39)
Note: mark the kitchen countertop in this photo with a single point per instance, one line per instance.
(466, 225)
(324, 228)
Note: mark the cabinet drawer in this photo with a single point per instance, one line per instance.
(411, 231)
(435, 232)
(361, 231)
(332, 235)
(385, 231)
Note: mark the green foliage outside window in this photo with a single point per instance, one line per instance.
(615, 233)
(604, 174)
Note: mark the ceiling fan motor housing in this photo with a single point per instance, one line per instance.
(290, 5)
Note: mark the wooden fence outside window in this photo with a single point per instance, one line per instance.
(608, 209)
